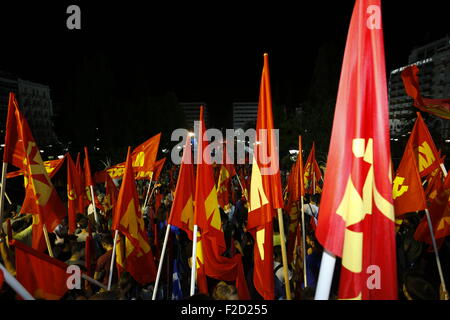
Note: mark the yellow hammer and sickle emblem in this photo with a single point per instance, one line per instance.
(354, 207)
(41, 189)
(426, 157)
(139, 162)
(398, 188)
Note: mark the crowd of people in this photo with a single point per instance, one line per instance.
(417, 273)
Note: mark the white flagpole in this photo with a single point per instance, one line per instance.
(161, 261)
(148, 192)
(87, 278)
(93, 204)
(325, 276)
(194, 260)
(243, 191)
(15, 285)
(111, 269)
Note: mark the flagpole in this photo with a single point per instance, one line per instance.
(194, 260)
(284, 254)
(15, 285)
(93, 281)
(325, 276)
(444, 170)
(47, 240)
(438, 261)
(2, 191)
(148, 191)
(111, 269)
(304, 244)
(93, 204)
(243, 191)
(161, 261)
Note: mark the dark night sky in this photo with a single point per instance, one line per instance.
(208, 51)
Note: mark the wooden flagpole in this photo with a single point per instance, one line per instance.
(284, 254)
(243, 191)
(2, 191)
(47, 241)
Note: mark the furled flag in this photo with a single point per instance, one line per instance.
(138, 257)
(177, 293)
(74, 192)
(182, 211)
(407, 189)
(41, 198)
(439, 214)
(211, 244)
(425, 150)
(438, 107)
(52, 167)
(265, 189)
(43, 277)
(356, 216)
(295, 191)
(88, 181)
(224, 184)
(112, 193)
(82, 200)
(144, 157)
(313, 175)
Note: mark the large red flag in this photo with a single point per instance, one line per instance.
(43, 277)
(158, 168)
(438, 107)
(407, 189)
(265, 190)
(82, 200)
(425, 151)
(144, 157)
(41, 198)
(182, 211)
(129, 221)
(356, 217)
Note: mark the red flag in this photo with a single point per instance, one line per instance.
(435, 181)
(438, 107)
(129, 221)
(144, 157)
(356, 217)
(74, 192)
(82, 200)
(295, 191)
(158, 168)
(182, 211)
(52, 167)
(425, 150)
(439, 214)
(313, 175)
(226, 173)
(211, 245)
(41, 198)
(111, 195)
(265, 190)
(407, 190)
(43, 277)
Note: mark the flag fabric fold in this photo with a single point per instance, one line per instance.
(138, 257)
(438, 107)
(265, 190)
(356, 216)
(41, 198)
